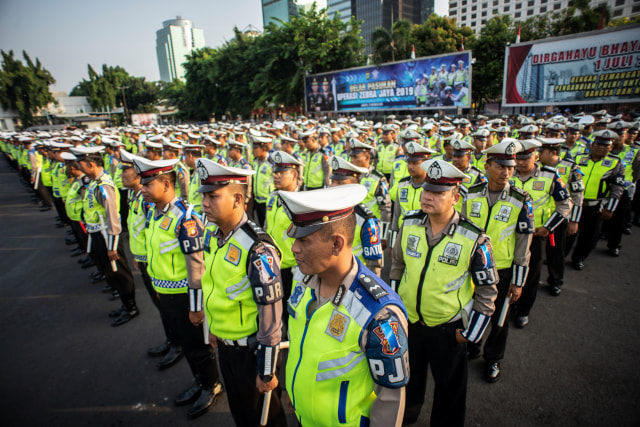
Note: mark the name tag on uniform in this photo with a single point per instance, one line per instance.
(476, 208)
(504, 214)
(451, 254)
(404, 192)
(412, 246)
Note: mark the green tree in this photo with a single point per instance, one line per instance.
(579, 17)
(24, 88)
(394, 45)
(115, 86)
(489, 50)
(440, 34)
(309, 43)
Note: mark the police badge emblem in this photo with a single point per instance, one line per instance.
(277, 158)
(538, 185)
(411, 149)
(202, 171)
(337, 326)
(434, 172)
(456, 145)
(511, 149)
(476, 208)
(335, 163)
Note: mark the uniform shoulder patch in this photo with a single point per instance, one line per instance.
(377, 174)
(371, 285)
(405, 179)
(468, 225)
(417, 213)
(476, 188)
(518, 193)
(364, 211)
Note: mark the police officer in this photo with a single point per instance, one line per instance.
(138, 211)
(173, 242)
(316, 164)
(286, 171)
(377, 199)
(366, 244)
(572, 146)
(102, 222)
(556, 248)
(234, 152)
(409, 189)
(242, 288)
(211, 146)
(604, 185)
(387, 151)
(262, 182)
(462, 160)
(438, 260)
(551, 207)
(505, 212)
(347, 360)
(173, 151)
(193, 152)
(74, 201)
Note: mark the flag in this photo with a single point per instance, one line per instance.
(601, 24)
(413, 52)
(368, 59)
(518, 38)
(462, 44)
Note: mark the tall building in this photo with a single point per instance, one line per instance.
(281, 9)
(383, 13)
(475, 14)
(177, 38)
(344, 7)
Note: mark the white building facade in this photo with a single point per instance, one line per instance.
(177, 38)
(475, 14)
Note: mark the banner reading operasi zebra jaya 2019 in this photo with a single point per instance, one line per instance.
(588, 68)
(442, 81)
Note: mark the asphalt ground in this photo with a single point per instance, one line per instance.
(62, 364)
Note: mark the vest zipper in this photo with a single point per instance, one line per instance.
(304, 334)
(240, 305)
(342, 402)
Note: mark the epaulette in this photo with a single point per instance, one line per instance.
(259, 236)
(364, 211)
(548, 171)
(569, 162)
(376, 173)
(476, 188)
(614, 156)
(468, 225)
(518, 193)
(405, 179)
(417, 213)
(370, 284)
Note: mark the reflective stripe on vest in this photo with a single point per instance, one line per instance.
(436, 284)
(228, 296)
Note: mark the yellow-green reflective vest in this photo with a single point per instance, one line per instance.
(386, 155)
(93, 211)
(60, 180)
(74, 201)
(399, 171)
(479, 162)
(277, 224)
(499, 221)
(436, 284)
(46, 172)
(262, 181)
(165, 261)
(313, 173)
(371, 182)
(195, 197)
(328, 376)
(594, 186)
(137, 231)
(408, 197)
(227, 291)
(539, 188)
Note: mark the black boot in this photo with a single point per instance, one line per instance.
(171, 358)
(160, 350)
(208, 397)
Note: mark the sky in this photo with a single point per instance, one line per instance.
(67, 35)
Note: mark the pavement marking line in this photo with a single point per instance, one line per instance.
(140, 407)
(19, 249)
(31, 297)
